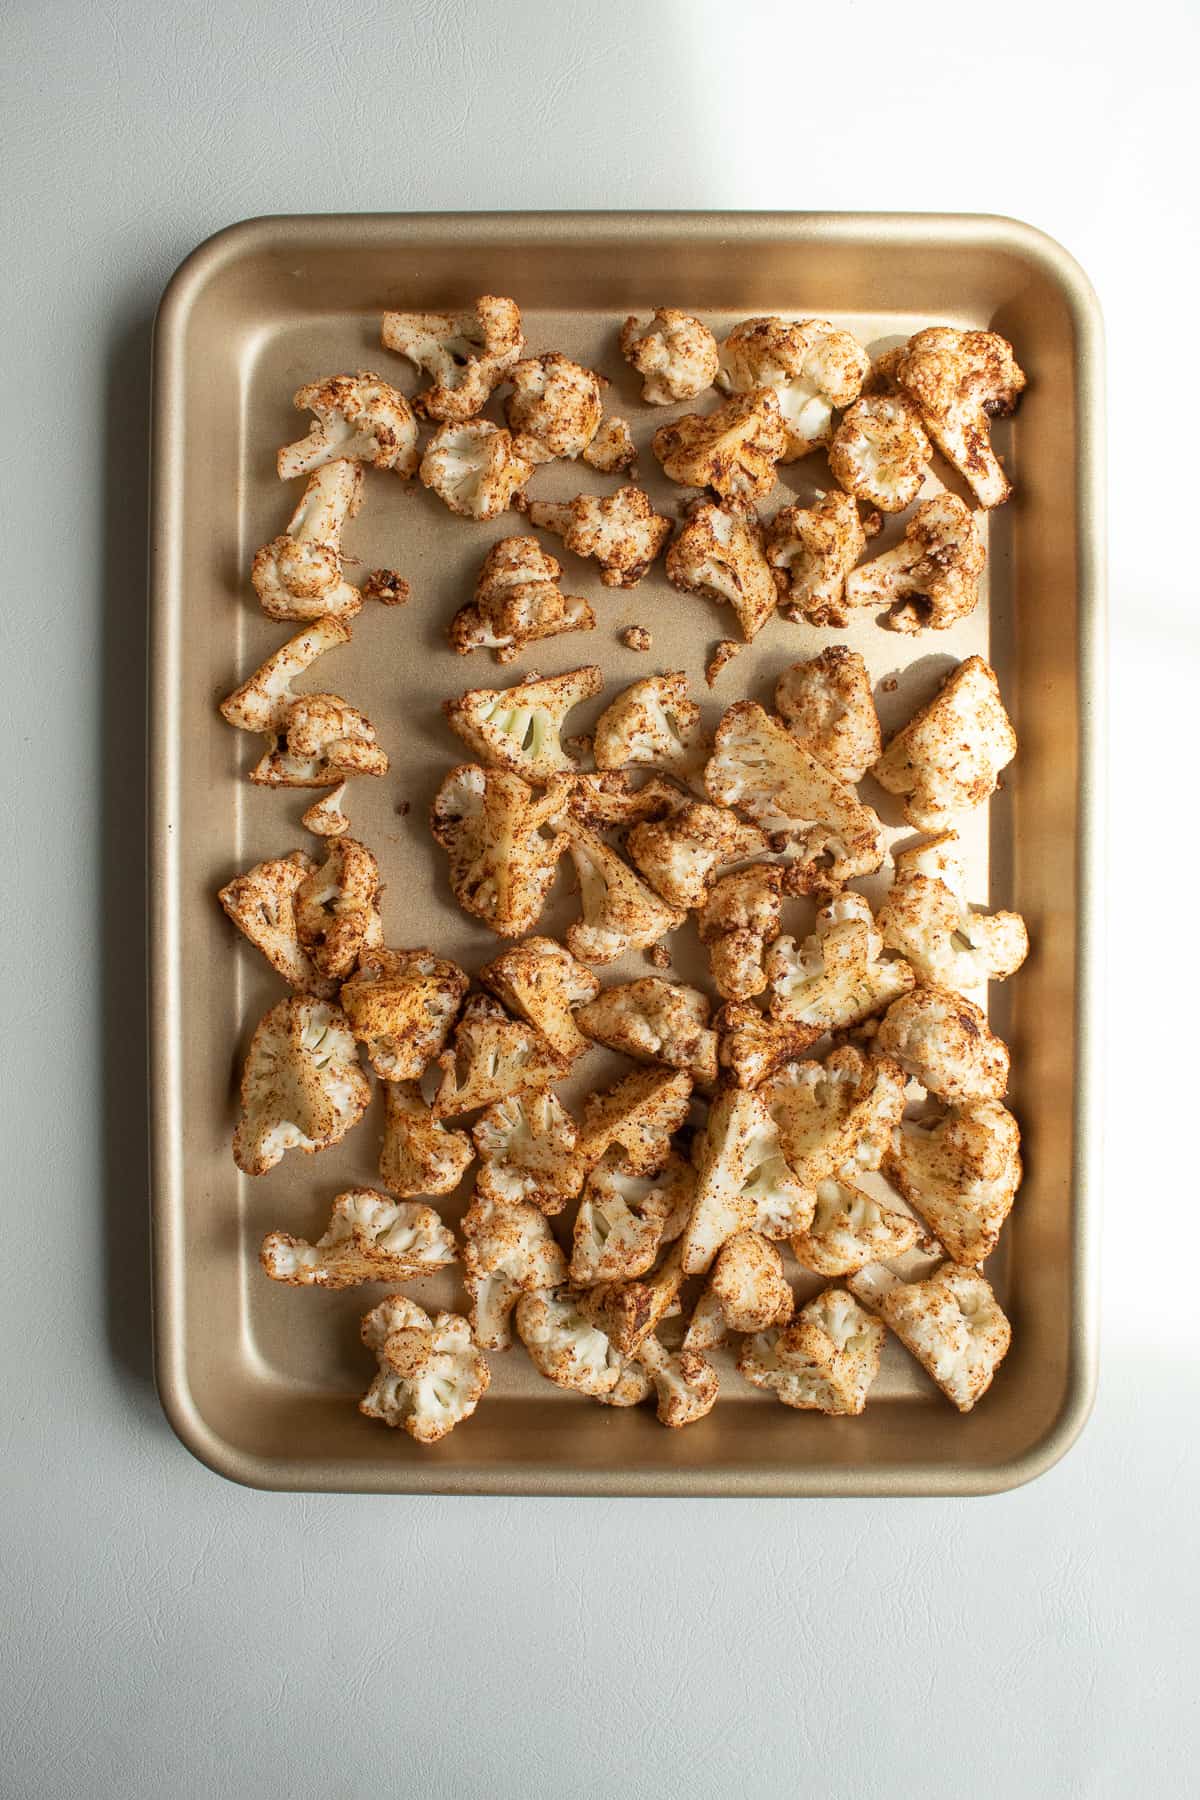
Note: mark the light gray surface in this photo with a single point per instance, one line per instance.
(169, 1634)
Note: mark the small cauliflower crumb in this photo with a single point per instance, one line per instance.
(659, 955)
(723, 654)
(636, 637)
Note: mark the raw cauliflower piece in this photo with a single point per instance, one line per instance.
(337, 908)
(947, 944)
(369, 1238)
(325, 817)
(687, 1385)
(879, 452)
(961, 1172)
(299, 575)
(636, 1117)
(620, 912)
(564, 1346)
(942, 1040)
(676, 355)
(507, 1251)
(931, 579)
(519, 728)
(494, 1058)
(475, 469)
(517, 601)
(554, 408)
(746, 1291)
(653, 723)
(628, 1311)
(835, 1118)
(622, 531)
(951, 1322)
(824, 1361)
(743, 1182)
(357, 418)
(526, 1149)
(541, 982)
(624, 1218)
(753, 1047)
(950, 754)
(401, 1005)
(302, 1088)
(605, 797)
(740, 917)
(679, 856)
(810, 365)
(733, 450)
(418, 1155)
(431, 1376)
(501, 843)
(837, 977)
(261, 904)
(655, 1021)
(850, 1229)
(759, 767)
(811, 550)
(827, 706)
(313, 740)
(959, 381)
(466, 353)
(719, 554)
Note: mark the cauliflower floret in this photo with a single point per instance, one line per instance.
(686, 1384)
(299, 575)
(624, 1218)
(507, 1251)
(431, 1376)
(494, 1058)
(851, 1229)
(679, 856)
(628, 1311)
(526, 1148)
(742, 914)
(959, 381)
(752, 1047)
(313, 740)
(810, 365)
(325, 817)
(733, 450)
(746, 1291)
(622, 531)
(835, 978)
(931, 579)
(951, 1322)
(554, 407)
(827, 706)
(743, 1182)
(655, 1021)
(637, 1117)
(950, 754)
(501, 843)
(759, 767)
(879, 452)
(719, 554)
(401, 1005)
(942, 1040)
(475, 468)
(541, 982)
(517, 602)
(261, 904)
(813, 549)
(653, 723)
(302, 1088)
(946, 943)
(465, 353)
(676, 355)
(369, 1238)
(607, 798)
(825, 1361)
(337, 908)
(961, 1172)
(835, 1118)
(418, 1155)
(564, 1346)
(519, 728)
(358, 418)
(612, 450)
(620, 912)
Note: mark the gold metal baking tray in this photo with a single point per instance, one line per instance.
(261, 1381)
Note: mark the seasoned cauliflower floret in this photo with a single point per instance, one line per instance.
(825, 1360)
(326, 817)
(554, 407)
(655, 1021)
(299, 575)
(622, 531)
(302, 1087)
(475, 468)
(740, 917)
(837, 977)
(261, 905)
(466, 354)
(947, 944)
(541, 982)
(501, 842)
(507, 1251)
(835, 1117)
(959, 381)
(676, 355)
(733, 450)
(931, 579)
(357, 418)
(401, 1005)
(313, 740)
(636, 1117)
(337, 908)
(624, 1218)
(620, 912)
(851, 1229)
(612, 450)
(719, 554)
(606, 797)
(517, 601)
(743, 1182)
(879, 452)
(950, 754)
(369, 1238)
(520, 727)
(746, 1291)
(431, 1376)
(679, 856)
(827, 706)
(809, 364)
(494, 1058)
(652, 724)
(526, 1146)
(566, 1347)
(418, 1155)
(951, 1322)
(628, 1311)
(942, 1040)
(752, 1047)
(961, 1172)
(687, 1385)
(811, 550)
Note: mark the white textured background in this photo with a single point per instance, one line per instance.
(165, 1634)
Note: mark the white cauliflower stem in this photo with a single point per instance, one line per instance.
(811, 551)
(401, 1005)
(959, 381)
(519, 728)
(622, 531)
(931, 579)
(837, 977)
(302, 1087)
(501, 842)
(465, 353)
(517, 602)
(507, 1251)
(358, 418)
(825, 1361)
(960, 1171)
(951, 1323)
(431, 1376)
(719, 554)
(810, 365)
(655, 1021)
(299, 575)
(827, 706)
(950, 754)
(370, 1238)
(676, 355)
(733, 450)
